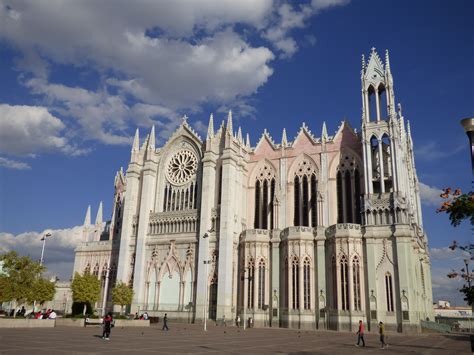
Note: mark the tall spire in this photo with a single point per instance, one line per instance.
(98, 218)
(136, 142)
(239, 135)
(324, 132)
(229, 122)
(210, 127)
(284, 139)
(87, 220)
(387, 62)
(151, 141)
(247, 141)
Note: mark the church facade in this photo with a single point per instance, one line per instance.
(318, 232)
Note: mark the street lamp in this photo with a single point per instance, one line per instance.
(250, 279)
(48, 234)
(468, 124)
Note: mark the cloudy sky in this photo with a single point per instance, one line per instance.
(78, 77)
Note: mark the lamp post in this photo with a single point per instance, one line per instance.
(42, 250)
(250, 279)
(468, 125)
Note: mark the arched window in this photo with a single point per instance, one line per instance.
(264, 197)
(344, 284)
(295, 273)
(87, 269)
(387, 163)
(382, 102)
(251, 284)
(297, 201)
(349, 192)
(257, 205)
(374, 148)
(314, 201)
(340, 202)
(261, 284)
(356, 283)
(389, 291)
(305, 183)
(372, 114)
(307, 284)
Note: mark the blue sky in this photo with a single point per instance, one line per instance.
(76, 80)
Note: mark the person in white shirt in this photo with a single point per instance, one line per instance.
(52, 315)
(145, 316)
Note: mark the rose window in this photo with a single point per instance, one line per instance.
(181, 167)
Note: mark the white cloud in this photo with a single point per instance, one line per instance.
(429, 195)
(173, 56)
(59, 251)
(443, 261)
(13, 164)
(27, 130)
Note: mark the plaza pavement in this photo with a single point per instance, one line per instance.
(185, 338)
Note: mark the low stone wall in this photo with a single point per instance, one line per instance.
(132, 323)
(69, 322)
(26, 323)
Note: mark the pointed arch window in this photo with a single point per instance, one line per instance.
(348, 201)
(87, 269)
(389, 291)
(297, 201)
(340, 202)
(307, 284)
(257, 205)
(96, 270)
(264, 198)
(357, 196)
(305, 189)
(295, 273)
(314, 201)
(261, 284)
(356, 283)
(344, 284)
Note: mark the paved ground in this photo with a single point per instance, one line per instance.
(191, 339)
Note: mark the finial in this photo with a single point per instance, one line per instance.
(324, 132)
(98, 218)
(373, 49)
(151, 141)
(387, 61)
(284, 139)
(87, 220)
(185, 119)
(247, 141)
(210, 127)
(239, 136)
(229, 122)
(136, 142)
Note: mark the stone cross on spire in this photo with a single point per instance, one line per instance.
(185, 119)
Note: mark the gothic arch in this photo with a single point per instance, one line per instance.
(294, 167)
(257, 170)
(336, 160)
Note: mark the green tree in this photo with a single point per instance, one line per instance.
(20, 275)
(460, 207)
(85, 289)
(43, 291)
(122, 294)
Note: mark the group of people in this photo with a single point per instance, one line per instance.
(49, 314)
(360, 335)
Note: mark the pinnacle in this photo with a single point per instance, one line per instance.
(229, 122)
(210, 128)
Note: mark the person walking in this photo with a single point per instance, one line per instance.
(237, 321)
(165, 322)
(360, 334)
(384, 345)
(107, 326)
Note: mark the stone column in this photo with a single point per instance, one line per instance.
(129, 211)
(208, 195)
(146, 206)
(226, 233)
(275, 270)
(256, 280)
(301, 283)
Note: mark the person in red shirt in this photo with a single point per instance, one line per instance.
(107, 325)
(360, 334)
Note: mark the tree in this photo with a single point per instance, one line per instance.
(85, 289)
(43, 291)
(122, 294)
(21, 280)
(460, 207)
